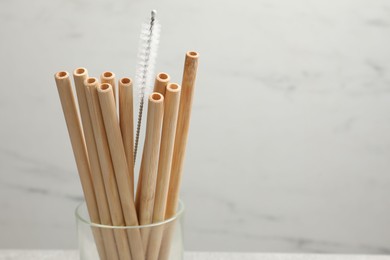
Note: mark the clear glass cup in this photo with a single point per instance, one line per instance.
(161, 241)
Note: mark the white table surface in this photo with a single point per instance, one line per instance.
(73, 254)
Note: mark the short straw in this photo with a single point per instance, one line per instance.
(79, 76)
(90, 87)
(161, 82)
(149, 163)
(109, 77)
(80, 153)
(118, 156)
(171, 109)
(181, 137)
(126, 121)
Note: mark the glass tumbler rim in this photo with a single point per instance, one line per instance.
(88, 222)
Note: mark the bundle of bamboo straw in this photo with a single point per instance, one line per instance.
(103, 148)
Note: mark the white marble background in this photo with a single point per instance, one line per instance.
(290, 139)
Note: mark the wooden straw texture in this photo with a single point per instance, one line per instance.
(171, 109)
(183, 123)
(161, 82)
(138, 192)
(79, 76)
(80, 153)
(126, 121)
(149, 163)
(118, 157)
(90, 87)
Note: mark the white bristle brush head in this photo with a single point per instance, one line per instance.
(147, 54)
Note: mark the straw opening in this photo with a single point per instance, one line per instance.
(62, 74)
(79, 71)
(193, 54)
(125, 81)
(108, 74)
(156, 96)
(91, 80)
(104, 86)
(173, 87)
(163, 76)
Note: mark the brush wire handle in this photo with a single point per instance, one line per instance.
(149, 39)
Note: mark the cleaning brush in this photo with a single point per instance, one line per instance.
(149, 39)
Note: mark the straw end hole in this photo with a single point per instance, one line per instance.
(61, 74)
(125, 81)
(105, 87)
(80, 71)
(108, 74)
(174, 87)
(163, 76)
(91, 80)
(156, 96)
(193, 54)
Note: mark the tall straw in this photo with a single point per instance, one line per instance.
(80, 152)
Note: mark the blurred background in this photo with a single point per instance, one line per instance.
(289, 147)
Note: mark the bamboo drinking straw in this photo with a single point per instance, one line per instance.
(109, 77)
(90, 87)
(183, 121)
(79, 150)
(125, 87)
(149, 163)
(161, 82)
(118, 157)
(171, 109)
(79, 76)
